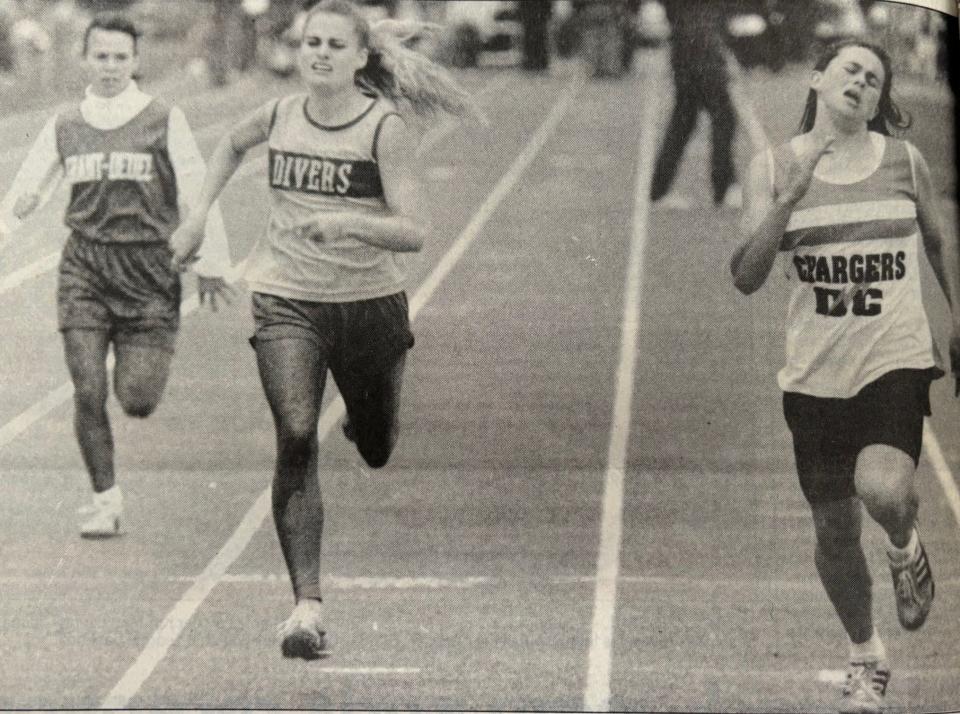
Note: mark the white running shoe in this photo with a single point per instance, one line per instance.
(104, 515)
(303, 635)
(674, 201)
(865, 688)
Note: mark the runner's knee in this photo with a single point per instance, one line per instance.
(376, 450)
(137, 404)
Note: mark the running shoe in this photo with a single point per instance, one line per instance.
(103, 515)
(303, 635)
(865, 688)
(913, 585)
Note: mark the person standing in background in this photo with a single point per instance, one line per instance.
(698, 57)
(535, 19)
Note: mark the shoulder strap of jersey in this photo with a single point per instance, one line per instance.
(376, 132)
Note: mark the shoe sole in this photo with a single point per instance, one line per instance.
(102, 535)
(304, 645)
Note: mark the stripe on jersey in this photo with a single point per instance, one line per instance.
(841, 213)
(904, 228)
(351, 178)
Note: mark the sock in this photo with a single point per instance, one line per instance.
(870, 651)
(908, 553)
(112, 496)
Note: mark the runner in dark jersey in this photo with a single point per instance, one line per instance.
(329, 274)
(131, 162)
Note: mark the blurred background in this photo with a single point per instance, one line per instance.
(215, 41)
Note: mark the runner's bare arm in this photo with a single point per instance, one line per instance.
(224, 162)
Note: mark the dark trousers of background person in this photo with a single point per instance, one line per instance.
(535, 19)
(695, 92)
(951, 40)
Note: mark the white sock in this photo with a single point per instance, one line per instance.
(112, 496)
(907, 553)
(870, 651)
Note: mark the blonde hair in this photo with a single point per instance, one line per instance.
(408, 78)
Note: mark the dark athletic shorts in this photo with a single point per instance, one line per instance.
(359, 339)
(829, 434)
(126, 289)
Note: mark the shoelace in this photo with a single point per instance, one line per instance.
(862, 677)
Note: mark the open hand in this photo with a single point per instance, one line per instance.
(210, 289)
(25, 205)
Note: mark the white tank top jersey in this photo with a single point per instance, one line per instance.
(315, 168)
(852, 249)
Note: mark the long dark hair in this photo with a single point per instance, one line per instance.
(889, 116)
(397, 72)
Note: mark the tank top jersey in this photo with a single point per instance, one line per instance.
(123, 187)
(852, 250)
(315, 168)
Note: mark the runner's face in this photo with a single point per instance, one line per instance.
(330, 53)
(111, 61)
(852, 83)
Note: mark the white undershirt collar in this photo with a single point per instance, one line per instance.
(113, 112)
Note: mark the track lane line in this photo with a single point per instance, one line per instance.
(178, 617)
(599, 659)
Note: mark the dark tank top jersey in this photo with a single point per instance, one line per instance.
(123, 186)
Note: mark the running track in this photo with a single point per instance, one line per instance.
(592, 504)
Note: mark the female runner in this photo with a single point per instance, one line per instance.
(328, 277)
(845, 205)
(132, 165)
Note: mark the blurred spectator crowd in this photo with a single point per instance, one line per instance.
(226, 37)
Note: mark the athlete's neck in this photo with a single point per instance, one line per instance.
(335, 107)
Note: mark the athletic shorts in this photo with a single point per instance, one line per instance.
(126, 289)
(357, 339)
(829, 434)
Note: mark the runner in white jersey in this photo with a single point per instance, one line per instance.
(328, 277)
(844, 206)
(133, 166)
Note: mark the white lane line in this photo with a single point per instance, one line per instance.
(597, 690)
(340, 582)
(931, 444)
(30, 416)
(366, 670)
(28, 272)
(177, 618)
(934, 455)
